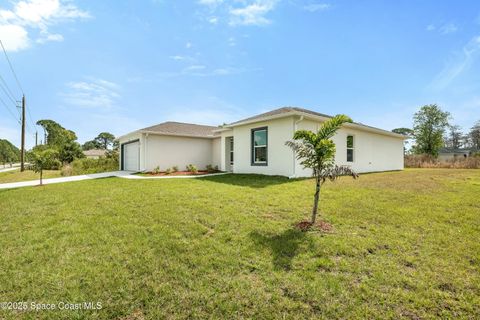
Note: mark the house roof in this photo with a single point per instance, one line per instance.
(450, 150)
(289, 111)
(94, 152)
(181, 129)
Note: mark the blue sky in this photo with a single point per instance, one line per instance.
(121, 65)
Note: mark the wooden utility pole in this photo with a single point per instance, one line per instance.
(36, 138)
(22, 153)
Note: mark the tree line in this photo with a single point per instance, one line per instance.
(432, 130)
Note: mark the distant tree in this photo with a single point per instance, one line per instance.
(43, 159)
(429, 125)
(56, 134)
(404, 131)
(8, 152)
(105, 140)
(316, 151)
(89, 145)
(454, 137)
(70, 151)
(474, 135)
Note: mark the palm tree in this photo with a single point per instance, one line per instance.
(317, 152)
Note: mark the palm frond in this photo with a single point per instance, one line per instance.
(334, 172)
(305, 135)
(331, 126)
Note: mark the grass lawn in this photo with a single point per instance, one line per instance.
(16, 176)
(404, 245)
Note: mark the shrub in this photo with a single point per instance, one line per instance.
(87, 166)
(212, 169)
(67, 170)
(426, 161)
(192, 168)
(169, 171)
(175, 168)
(156, 170)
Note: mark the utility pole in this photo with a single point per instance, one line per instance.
(36, 138)
(22, 153)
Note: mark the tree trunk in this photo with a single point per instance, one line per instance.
(315, 200)
(41, 176)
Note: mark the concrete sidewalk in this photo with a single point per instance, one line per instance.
(65, 179)
(9, 169)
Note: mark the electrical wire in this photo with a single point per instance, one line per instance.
(11, 68)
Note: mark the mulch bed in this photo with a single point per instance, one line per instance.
(318, 226)
(179, 173)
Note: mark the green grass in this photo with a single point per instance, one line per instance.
(404, 245)
(16, 176)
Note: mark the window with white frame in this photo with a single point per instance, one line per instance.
(231, 150)
(259, 146)
(350, 148)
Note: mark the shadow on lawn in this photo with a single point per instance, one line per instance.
(250, 180)
(284, 246)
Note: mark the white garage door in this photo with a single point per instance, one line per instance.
(131, 156)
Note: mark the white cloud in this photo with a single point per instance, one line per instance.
(314, 7)
(95, 93)
(232, 42)
(460, 64)
(188, 45)
(213, 20)
(430, 27)
(253, 14)
(14, 38)
(33, 19)
(210, 2)
(448, 28)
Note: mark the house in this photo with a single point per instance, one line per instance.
(257, 145)
(449, 154)
(94, 153)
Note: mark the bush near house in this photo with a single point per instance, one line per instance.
(88, 166)
(427, 161)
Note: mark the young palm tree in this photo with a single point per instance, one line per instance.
(317, 152)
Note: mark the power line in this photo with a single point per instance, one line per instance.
(8, 89)
(9, 111)
(7, 94)
(11, 67)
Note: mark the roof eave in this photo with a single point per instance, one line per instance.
(318, 117)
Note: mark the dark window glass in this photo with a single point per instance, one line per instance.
(259, 146)
(350, 155)
(350, 148)
(349, 141)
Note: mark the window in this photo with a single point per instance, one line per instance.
(231, 150)
(349, 148)
(259, 146)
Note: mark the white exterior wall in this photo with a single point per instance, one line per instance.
(169, 151)
(216, 152)
(372, 151)
(280, 157)
(131, 137)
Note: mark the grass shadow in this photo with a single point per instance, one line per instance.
(284, 246)
(249, 180)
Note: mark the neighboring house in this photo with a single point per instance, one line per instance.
(95, 153)
(446, 154)
(257, 145)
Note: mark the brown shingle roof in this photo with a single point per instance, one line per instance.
(95, 153)
(281, 111)
(182, 129)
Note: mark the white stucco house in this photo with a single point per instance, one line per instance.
(257, 145)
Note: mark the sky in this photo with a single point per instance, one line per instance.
(119, 66)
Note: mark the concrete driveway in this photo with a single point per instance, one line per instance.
(65, 179)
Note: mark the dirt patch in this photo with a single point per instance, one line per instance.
(317, 226)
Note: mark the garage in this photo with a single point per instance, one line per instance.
(131, 156)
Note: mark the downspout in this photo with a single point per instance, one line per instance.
(145, 153)
(295, 128)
